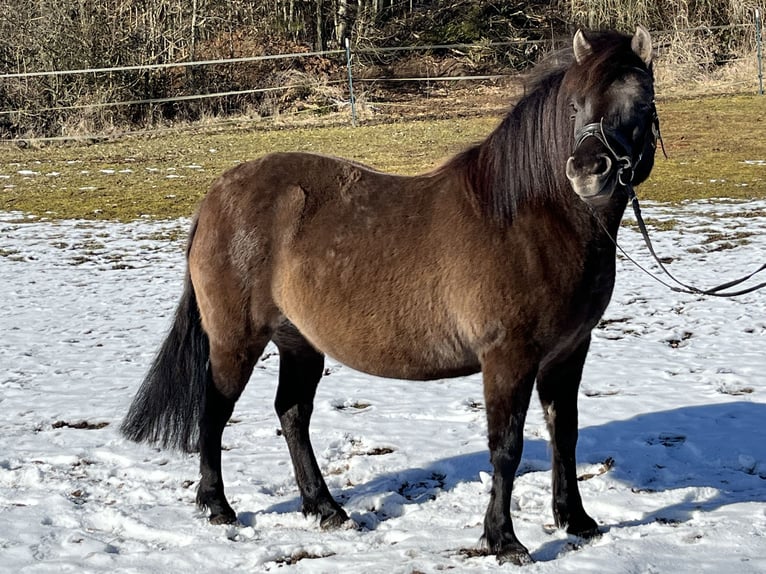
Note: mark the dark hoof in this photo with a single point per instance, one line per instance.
(335, 521)
(517, 555)
(223, 518)
(585, 528)
(590, 534)
(220, 510)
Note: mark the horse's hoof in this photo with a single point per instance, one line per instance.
(223, 518)
(517, 555)
(585, 528)
(590, 534)
(336, 521)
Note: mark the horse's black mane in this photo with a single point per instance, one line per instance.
(522, 161)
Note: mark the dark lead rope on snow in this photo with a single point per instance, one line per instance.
(684, 287)
(680, 286)
(625, 164)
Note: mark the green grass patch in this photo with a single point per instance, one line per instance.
(717, 148)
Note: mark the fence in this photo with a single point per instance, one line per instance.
(346, 105)
(759, 48)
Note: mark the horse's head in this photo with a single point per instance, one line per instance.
(610, 90)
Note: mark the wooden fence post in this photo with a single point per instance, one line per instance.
(758, 43)
(351, 98)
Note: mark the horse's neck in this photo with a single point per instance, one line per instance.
(607, 214)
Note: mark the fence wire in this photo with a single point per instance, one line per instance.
(341, 104)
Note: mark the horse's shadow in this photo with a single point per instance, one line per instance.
(719, 447)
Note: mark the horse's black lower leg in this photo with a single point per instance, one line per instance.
(228, 373)
(300, 369)
(216, 412)
(557, 386)
(507, 393)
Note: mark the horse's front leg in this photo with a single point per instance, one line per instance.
(508, 382)
(557, 385)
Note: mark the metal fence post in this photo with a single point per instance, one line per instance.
(352, 99)
(758, 43)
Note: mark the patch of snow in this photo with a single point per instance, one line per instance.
(671, 452)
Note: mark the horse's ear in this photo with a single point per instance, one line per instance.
(581, 46)
(642, 44)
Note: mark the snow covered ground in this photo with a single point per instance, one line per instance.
(672, 448)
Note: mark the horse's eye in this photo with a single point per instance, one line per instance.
(574, 110)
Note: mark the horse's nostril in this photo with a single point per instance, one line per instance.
(597, 166)
(603, 164)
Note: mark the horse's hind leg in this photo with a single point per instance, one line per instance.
(557, 386)
(300, 368)
(228, 373)
(229, 272)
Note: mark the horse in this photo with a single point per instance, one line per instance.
(500, 260)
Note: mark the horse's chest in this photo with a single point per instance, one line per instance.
(579, 312)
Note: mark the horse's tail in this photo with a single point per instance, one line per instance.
(167, 407)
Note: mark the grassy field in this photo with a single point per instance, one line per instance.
(717, 148)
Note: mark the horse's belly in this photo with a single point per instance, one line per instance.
(381, 339)
(400, 357)
(365, 284)
(415, 362)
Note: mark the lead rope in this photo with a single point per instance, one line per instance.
(684, 287)
(681, 287)
(597, 130)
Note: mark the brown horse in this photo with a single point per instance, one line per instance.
(499, 260)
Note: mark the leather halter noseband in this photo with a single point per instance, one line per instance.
(625, 164)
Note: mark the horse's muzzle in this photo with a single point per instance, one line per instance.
(590, 176)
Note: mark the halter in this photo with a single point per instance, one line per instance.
(625, 164)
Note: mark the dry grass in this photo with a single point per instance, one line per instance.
(717, 149)
(716, 145)
(684, 77)
(166, 176)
